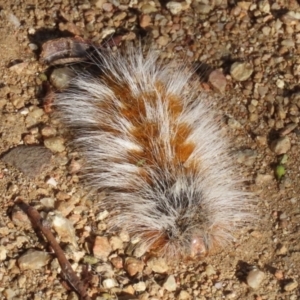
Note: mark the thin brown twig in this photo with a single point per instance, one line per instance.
(67, 272)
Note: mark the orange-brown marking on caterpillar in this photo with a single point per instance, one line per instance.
(182, 149)
(147, 133)
(175, 106)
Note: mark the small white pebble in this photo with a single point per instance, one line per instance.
(109, 283)
(3, 252)
(174, 7)
(31, 31)
(33, 46)
(280, 83)
(290, 286)
(170, 284)
(255, 278)
(140, 286)
(124, 236)
(102, 215)
(52, 181)
(47, 202)
(24, 111)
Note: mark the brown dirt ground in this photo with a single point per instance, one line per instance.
(272, 244)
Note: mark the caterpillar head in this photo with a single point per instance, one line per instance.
(198, 247)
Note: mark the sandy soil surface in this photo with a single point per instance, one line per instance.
(256, 47)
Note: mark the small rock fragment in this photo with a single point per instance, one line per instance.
(102, 215)
(174, 7)
(241, 71)
(218, 80)
(281, 145)
(184, 295)
(264, 6)
(290, 286)
(288, 129)
(291, 18)
(33, 260)
(105, 269)
(91, 260)
(101, 248)
(3, 102)
(145, 21)
(29, 139)
(75, 166)
(163, 40)
(124, 236)
(55, 144)
(77, 255)
(19, 68)
(158, 265)
(99, 3)
(281, 112)
(279, 274)
(107, 31)
(19, 217)
(256, 234)
(10, 294)
(282, 250)
(51, 181)
(255, 278)
(234, 124)
(140, 250)
(34, 116)
(246, 157)
(209, 270)
(129, 290)
(48, 131)
(253, 117)
(133, 266)
(117, 262)
(3, 252)
(262, 179)
(140, 286)
(14, 20)
(63, 227)
(107, 7)
(33, 47)
(280, 83)
(116, 243)
(218, 285)
(31, 160)
(201, 8)
(244, 4)
(288, 43)
(170, 284)
(61, 77)
(261, 140)
(147, 8)
(109, 283)
(231, 295)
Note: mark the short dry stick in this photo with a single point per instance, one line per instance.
(67, 272)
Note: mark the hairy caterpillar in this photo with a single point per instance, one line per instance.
(150, 140)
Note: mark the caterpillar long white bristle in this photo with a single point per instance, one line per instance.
(151, 141)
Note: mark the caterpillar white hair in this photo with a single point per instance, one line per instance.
(150, 141)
